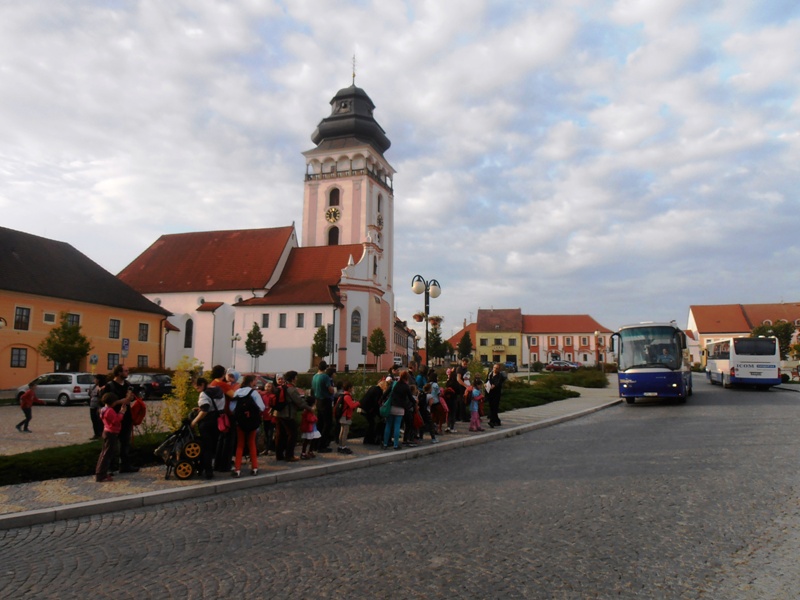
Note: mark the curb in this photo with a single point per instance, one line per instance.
(145, 499)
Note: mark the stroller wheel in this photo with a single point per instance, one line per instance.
(184, 470)
(191, 450)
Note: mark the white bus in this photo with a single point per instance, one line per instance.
(744, 361)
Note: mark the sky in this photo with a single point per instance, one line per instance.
(623, 159)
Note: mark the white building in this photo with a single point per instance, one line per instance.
(218, 283)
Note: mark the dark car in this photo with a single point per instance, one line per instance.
(150, 385)
(511, 367)
(560, 365)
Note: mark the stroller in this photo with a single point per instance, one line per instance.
(180, 452)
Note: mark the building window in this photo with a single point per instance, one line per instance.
(188, 333)
(282, 320)
(333, 236)
(534, 341)
(73, 320)
(19, 358)
(317, 320)
(484, 342)
(333, 198)
(301, 320)
(584, 342)
(496, 358)
(554, 341)
(512, 341)
(113, 361)
(568, 341)
(141, 360)
(113, 329)
(144, 331)
(484, 358)
(498, 341)
(534, 358)
(265, 321)
(49, 317)
(355, 327)
(22, 318)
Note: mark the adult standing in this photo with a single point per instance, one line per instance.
(119, 386)
(248, 420)
(210, 404)
(401, 401)
(494, 387)
(286, 435)
(462, 381)
(323, 389)
(95, 406)
(226, 442)
(370, 407)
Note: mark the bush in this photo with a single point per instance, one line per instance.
(79, 460)
(588, 378)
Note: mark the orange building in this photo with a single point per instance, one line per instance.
(40, 279)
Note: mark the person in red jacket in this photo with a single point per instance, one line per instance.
(112, 425)
(26, 401)
(348, 406)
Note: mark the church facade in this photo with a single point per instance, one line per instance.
(217, 284)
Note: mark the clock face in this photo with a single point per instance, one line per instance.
(332, 214)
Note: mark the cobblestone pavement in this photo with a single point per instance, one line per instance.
(55, 426)
(645, 501)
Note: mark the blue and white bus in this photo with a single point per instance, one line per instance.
(744, 361)
(653, 362)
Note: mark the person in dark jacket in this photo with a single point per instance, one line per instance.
(494, 385)
(402, 400)
(370, 405)
(210, 403)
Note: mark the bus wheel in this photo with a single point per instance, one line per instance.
(630, 400)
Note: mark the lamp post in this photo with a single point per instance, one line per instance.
(431, 289)
(235, 338)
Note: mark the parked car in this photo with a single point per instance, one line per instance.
(261, 378)
(560, 365)
(511, 367)
(150, 385)
(61, 388)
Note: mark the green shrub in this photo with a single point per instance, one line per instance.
(78, 460)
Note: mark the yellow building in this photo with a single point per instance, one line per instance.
(40, 279)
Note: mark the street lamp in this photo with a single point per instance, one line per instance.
(235, 338)
(431, 289)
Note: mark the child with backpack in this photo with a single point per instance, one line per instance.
(309, 431)
(248, 410)
(346, 405)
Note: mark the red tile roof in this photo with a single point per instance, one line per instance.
(310, 276)
(208, 261)
(741, 318)
(209, 306)
(472, 328)
(499, 319)
(561, 324)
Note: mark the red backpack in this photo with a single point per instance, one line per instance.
(138, 411)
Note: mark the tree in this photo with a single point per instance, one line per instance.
(65, 345)
(255, 344)
(465, 346)
(377, 344)
(435, 347)
(783, 331)
(320, 345)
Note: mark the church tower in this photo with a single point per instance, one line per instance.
(348, 199)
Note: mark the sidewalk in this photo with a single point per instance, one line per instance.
(47, 501)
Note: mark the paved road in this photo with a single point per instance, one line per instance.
(645, 501)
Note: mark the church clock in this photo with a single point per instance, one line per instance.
(333, 214)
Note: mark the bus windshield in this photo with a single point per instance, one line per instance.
(644, 346)
(754, 346)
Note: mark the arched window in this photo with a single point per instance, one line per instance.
(333, 197)
(374, 265)
(380, 202)
(333, 236)
(188, 333)
(355, 326)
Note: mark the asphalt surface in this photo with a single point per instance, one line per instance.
(647, 501)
